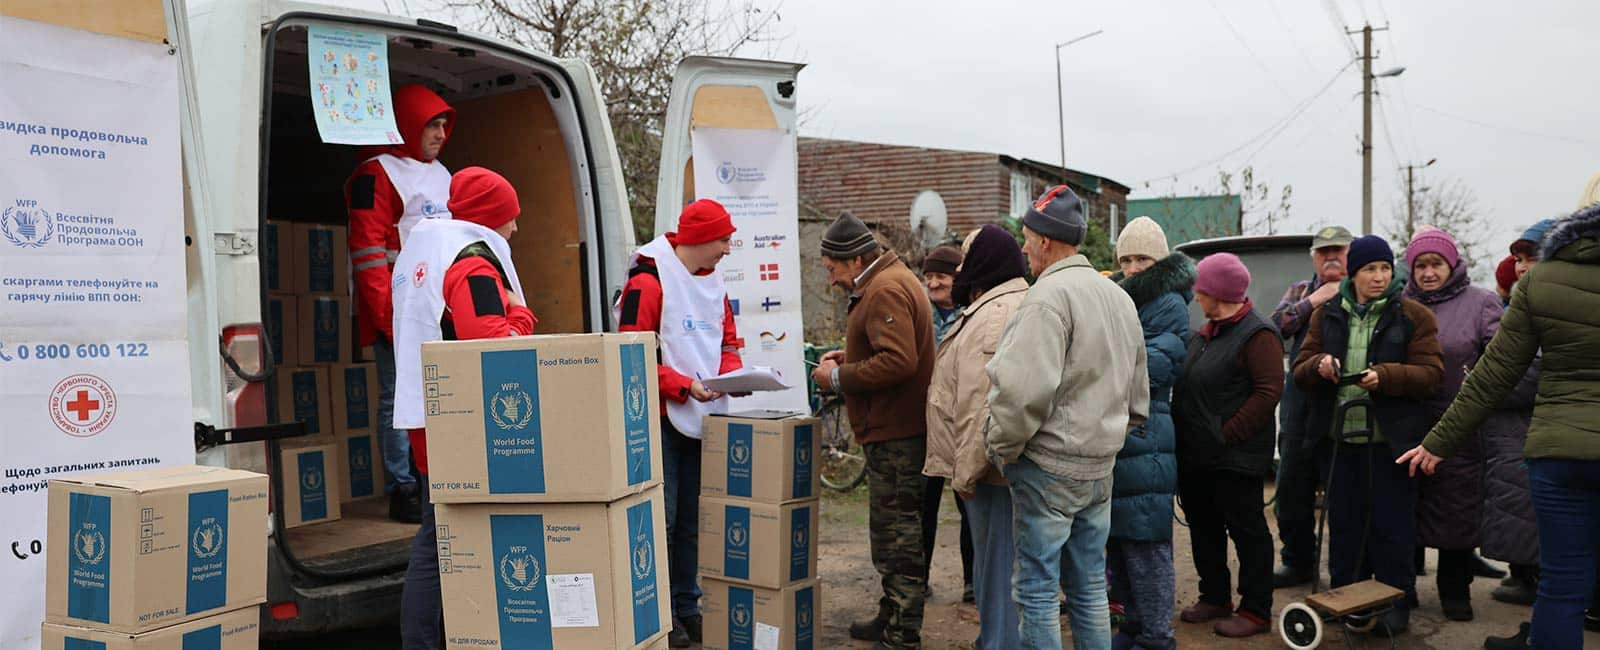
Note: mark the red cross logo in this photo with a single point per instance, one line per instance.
(418, 274)
(82, 406)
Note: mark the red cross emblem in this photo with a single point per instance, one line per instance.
(83, 405)
(419, 274)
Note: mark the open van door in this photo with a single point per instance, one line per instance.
(94, 315)
(740, 114)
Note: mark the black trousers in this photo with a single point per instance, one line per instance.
(1455, 573)
(1372, 517)
(1220, 505)
(932, 495)
(1296, 505)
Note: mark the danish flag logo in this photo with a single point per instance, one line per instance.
(769, 272)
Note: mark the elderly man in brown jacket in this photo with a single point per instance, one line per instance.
(883, 373)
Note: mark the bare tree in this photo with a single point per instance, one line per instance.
(1262, 213)
(634, 46)
(1450, 206)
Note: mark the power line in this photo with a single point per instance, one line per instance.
(1510, 129)
(1294, 39)
(1337, 18)
(1246, 45)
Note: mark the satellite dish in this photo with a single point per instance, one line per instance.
(928, 218)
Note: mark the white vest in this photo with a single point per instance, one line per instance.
(424, 189)
(418, 294)
(692, 309)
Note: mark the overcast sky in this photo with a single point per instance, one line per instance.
(1171, 86)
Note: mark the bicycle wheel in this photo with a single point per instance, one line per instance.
(844, 462)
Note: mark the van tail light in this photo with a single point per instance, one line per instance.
(284, 611)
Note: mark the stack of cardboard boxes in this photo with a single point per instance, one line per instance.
(320, 382)
(545, 470)
(758, 528)
(158, 559)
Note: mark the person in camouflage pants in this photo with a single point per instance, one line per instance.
(894, 489)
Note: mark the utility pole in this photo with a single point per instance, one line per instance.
(1411, 203)
(1061, 120)
(1366, 123)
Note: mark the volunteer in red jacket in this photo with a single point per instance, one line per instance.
(673, 289)
(477, 296)
(386, 197)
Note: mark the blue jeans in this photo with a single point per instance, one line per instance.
(1566, 500)
(421, 604)
(1055, 515)
(989, 518)
(680, 475)
(396, 446)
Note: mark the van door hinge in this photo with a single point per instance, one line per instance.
(232, 243)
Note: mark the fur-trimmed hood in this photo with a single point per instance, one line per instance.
(1174, 273)
(1583, 224)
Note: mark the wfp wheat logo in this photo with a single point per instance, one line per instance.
(634, 401)
(738, 536)
(740, 453)
(26, 225)
(311, 479)
(360, 459)
(89, 545)
(322, 249)
(802, 455)
(740, 615)
(207, 539)
(726, 172)
(643, 557)
(306, 396)
(802, 615)
(800, 535)
(511, 408)
(519, 570)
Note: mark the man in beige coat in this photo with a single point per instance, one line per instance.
(1069, 381)
(989, 286)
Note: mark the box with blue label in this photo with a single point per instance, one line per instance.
(300, 394)
(311, 478)
(324, 331)
(541, 419)
(353, 390)
(277, 255)
(742, 616)
(758, 544)
(536, 576)
(282, 321)
(135, 551)
(239, 629)
(362, 461)
(763, 456)
(321, 260)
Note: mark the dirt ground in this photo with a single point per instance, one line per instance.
(850, 591)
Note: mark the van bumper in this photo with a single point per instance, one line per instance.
(326, 606)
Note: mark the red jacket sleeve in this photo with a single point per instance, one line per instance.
(374, 207)
(731, 343)
(641, 312)
(475, 299)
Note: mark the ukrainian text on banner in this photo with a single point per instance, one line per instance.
(94, 370)
(752, 173)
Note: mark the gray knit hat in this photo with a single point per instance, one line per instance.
(847, 238)
(1058, 214)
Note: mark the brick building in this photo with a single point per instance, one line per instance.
(877, 182)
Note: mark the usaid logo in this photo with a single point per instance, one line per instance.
(89, 544)
(726, 173)
(519, 570)
(26, 225)
(206, 542)
(740, 615)
(738, 536)
(739, 452)
(511, 408)
(643, 557)
(311, 479)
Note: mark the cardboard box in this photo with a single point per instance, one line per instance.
(321, 260)
(741, 616)
(277, 255)
(539, 419)
(301, 394)
(136, 551)
(239, 629)
(361, 459)
(353, 389)
(756, 543)
(283, 329)
(311, 476)
(764, 456)
(555, 575)
(324, 332)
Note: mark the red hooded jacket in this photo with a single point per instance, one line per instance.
(375, 208)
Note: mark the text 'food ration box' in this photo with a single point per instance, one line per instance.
(239, 629)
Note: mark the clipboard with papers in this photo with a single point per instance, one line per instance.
(746, 380)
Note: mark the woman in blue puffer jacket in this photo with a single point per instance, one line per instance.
(1139, 552)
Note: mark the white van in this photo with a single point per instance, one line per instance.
(252, 152)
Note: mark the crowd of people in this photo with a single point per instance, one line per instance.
(1069, 415)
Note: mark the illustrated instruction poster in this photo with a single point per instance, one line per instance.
(350, 86)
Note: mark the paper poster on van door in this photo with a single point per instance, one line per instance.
(94, 355)
(752, 173)
(350, 86)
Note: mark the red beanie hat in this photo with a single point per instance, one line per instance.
(482, 197)
(702, 221)
(1506, 274)
(1222, 276)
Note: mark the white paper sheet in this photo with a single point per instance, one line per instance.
(746, 380)
(767, 636)
(572, 602)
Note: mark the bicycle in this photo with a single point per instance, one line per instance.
(844, 462)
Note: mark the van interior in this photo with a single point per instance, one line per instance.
(514, 116)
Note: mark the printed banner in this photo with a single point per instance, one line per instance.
(94, 367)
(350, 86)
(752, 173)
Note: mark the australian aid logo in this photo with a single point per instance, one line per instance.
(26, 225)
(82, 405)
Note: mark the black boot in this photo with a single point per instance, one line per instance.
(1392, 623)
(405, 503)
(678, 637)
(1522, 639)
(868, 630)
(1482, 569)
(692, 626)
(1457, 610)
(1519, 592)
(1287, 576)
